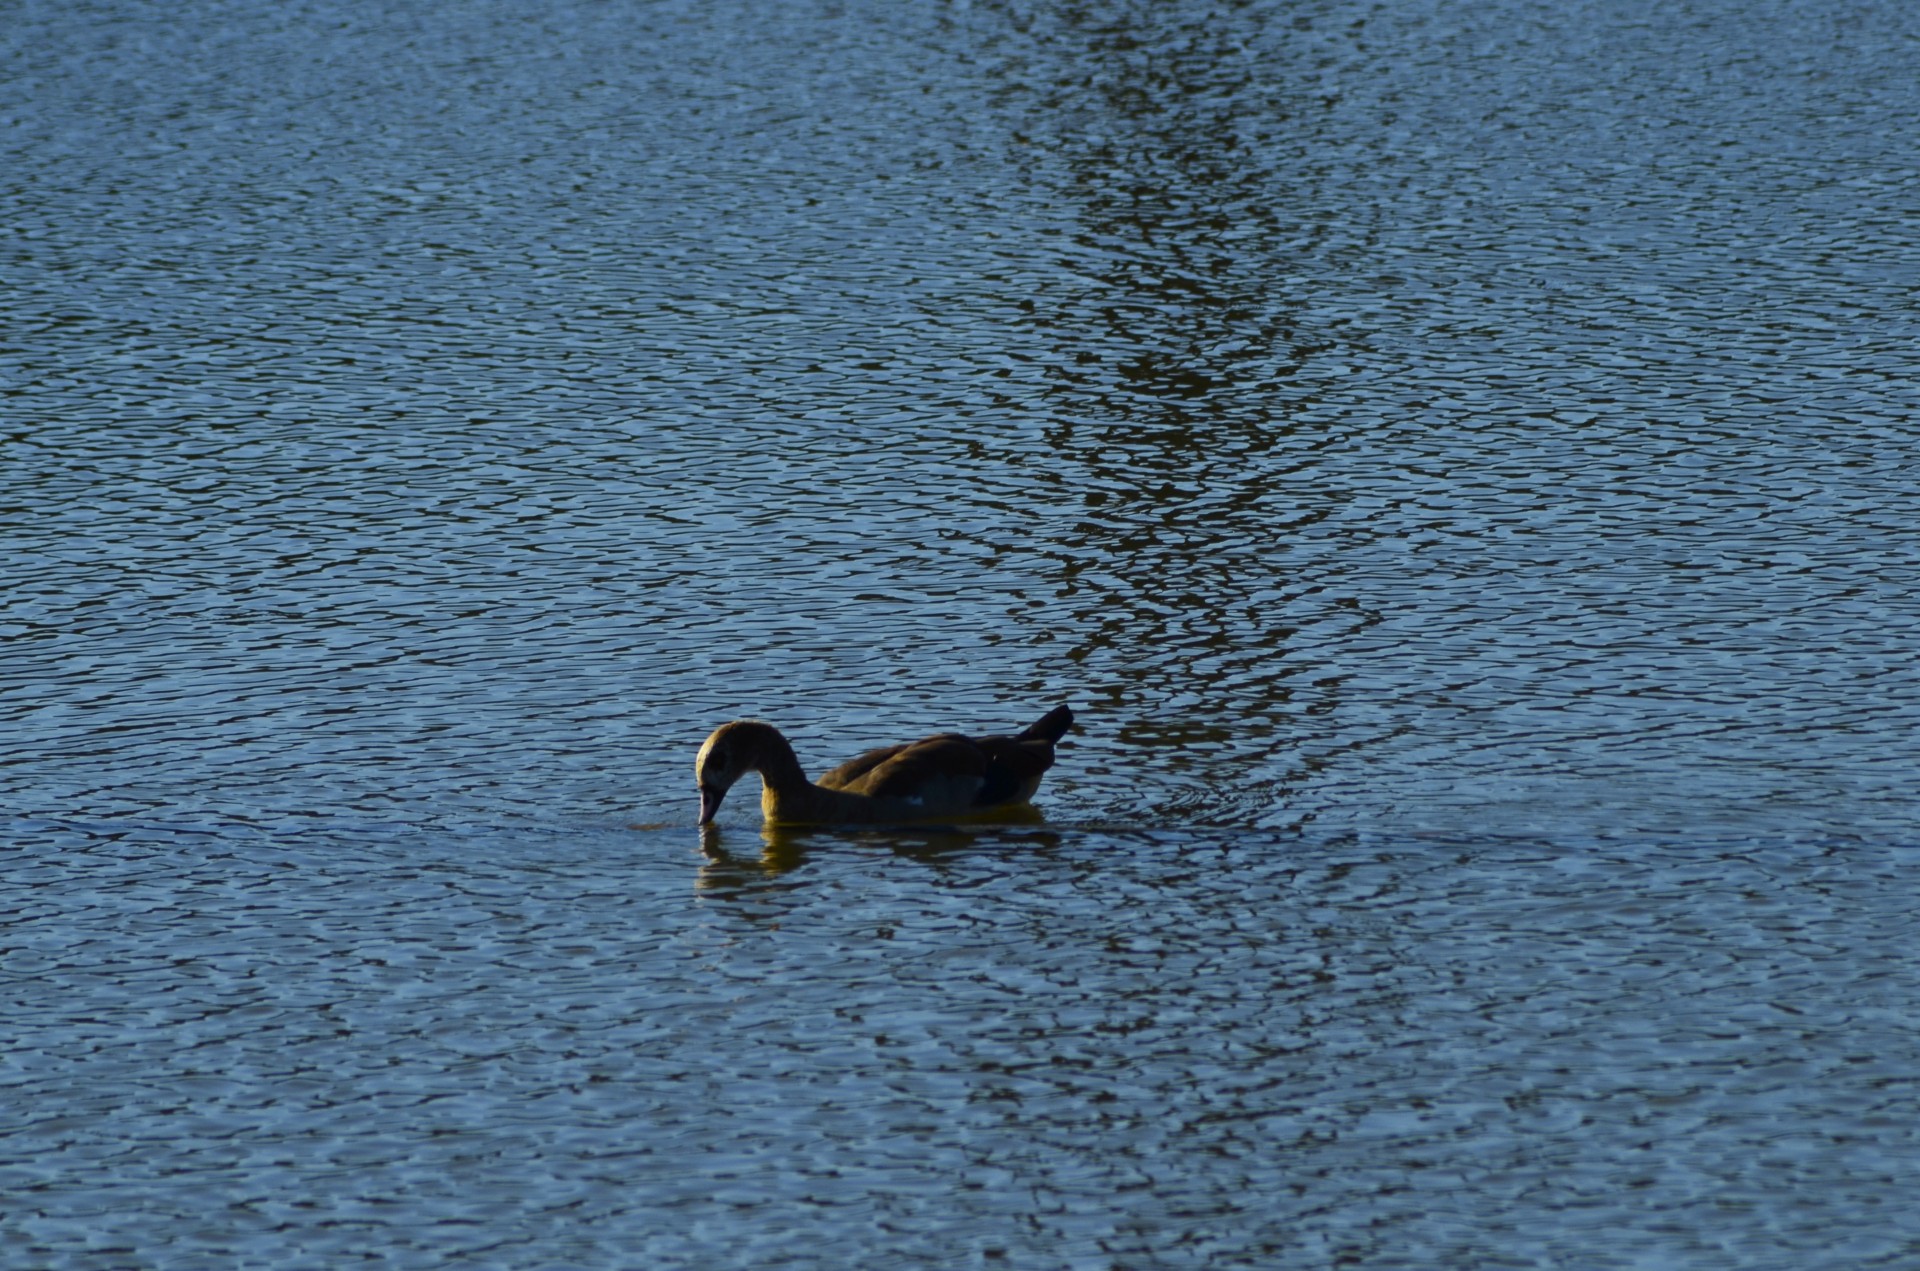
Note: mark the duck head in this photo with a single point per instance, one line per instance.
(731, 753)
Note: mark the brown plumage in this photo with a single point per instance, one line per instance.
(944, 777)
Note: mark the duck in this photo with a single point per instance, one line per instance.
(944, 777)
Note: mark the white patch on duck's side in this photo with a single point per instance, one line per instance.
(945, 794)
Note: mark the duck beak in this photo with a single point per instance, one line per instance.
(709, 803)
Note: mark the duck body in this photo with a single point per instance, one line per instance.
(944, 777)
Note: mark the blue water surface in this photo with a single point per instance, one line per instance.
(1456, 461)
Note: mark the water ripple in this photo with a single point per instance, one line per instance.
(1421, 1051)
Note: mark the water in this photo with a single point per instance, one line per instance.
(1454, 460)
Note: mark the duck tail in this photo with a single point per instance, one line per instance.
(1050, 727)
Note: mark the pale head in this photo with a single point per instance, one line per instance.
(731, 753)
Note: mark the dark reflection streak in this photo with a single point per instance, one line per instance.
(1168, 421)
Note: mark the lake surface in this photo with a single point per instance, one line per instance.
(1457, 460)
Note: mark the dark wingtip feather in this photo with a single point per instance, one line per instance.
(1050, 727)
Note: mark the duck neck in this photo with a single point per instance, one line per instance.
(786, 795)
(778, 766)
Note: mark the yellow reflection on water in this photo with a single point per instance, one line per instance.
(732, 860)
(776, 852)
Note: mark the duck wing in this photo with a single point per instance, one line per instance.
(853, 770)
(954, 771)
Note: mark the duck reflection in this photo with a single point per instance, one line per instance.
(741, 867)
(734, 862)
